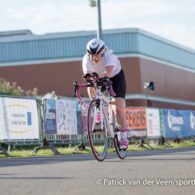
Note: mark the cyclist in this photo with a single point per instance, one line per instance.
(100, 59)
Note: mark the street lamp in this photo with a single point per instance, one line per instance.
(97, 3)
(149, 86)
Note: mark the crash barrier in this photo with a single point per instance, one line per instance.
(49, 122)
(20, 121)
(66, 117)
(154, 123)
(62, 121)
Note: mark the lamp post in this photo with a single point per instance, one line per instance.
(97, 3)
(149, 86)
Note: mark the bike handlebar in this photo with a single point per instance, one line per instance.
(93, 80)
(90, 76)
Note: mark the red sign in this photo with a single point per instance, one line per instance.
(136, 118)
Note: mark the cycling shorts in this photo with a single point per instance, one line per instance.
(119, 84)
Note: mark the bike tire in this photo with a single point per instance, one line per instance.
(121, 153)
(98, 139)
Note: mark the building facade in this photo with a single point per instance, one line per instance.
(51, 62)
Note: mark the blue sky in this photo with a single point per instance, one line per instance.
(170, 19)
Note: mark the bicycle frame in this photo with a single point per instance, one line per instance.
(103, 103)
(109, 115)
(103, 99)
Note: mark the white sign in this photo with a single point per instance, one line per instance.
(135, 133)
(18, 119)
(192, 121)
(174, 121)
(66, 117)
(153, 122)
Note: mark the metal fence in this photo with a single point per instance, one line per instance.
(47, 123)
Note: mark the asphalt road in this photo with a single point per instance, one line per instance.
(148, 173)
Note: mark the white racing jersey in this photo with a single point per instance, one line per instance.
(108, 59)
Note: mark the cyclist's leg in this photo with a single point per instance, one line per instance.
(118, 105)
(91, 92)
(119, 87)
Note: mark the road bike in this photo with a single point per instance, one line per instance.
(101, 121)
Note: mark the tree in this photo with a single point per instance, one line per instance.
(8, 88)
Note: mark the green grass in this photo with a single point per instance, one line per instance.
(149, 145)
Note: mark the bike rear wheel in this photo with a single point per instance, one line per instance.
(97, 132)
(116, 138)
(120, 152)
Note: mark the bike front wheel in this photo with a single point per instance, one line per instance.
(97, 132)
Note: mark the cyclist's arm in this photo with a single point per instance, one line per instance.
(107, 73)
(91, 92)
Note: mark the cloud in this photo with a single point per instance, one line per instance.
(178, 33)
(156, 16)
(49, 16)
(141, 8)
(169, 20)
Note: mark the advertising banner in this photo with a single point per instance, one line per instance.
(192, 122)
(66, 117)
(136, 121)
(18, 119)
(189, 117)
(177, 123)
(50, 117)
(153, 122)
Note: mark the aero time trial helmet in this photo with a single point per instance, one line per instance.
(95, 46)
